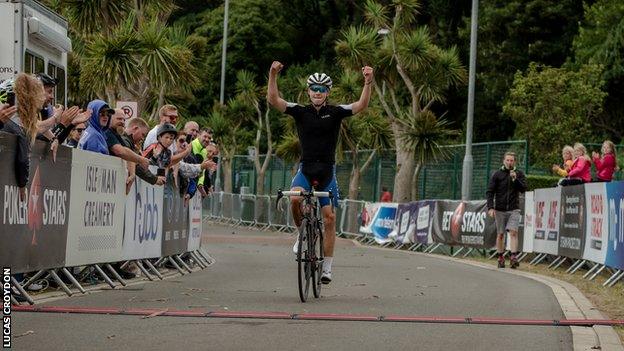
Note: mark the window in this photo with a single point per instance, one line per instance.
(58, 73)
(33, 63)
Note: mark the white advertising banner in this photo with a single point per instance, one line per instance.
(547, 213)
(529, 222)
(597, 224)
(96, 211)
(144, 221)
(195, 223)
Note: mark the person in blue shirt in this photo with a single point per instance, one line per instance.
(93, 138)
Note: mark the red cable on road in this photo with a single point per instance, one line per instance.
(315, 316)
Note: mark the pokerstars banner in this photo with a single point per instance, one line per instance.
(529, 222)
(463, 223)
(33, 230)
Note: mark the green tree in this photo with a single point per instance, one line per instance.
(415, 72)
(601, 41)
(513, 33)
(553, 107)
(257, 35)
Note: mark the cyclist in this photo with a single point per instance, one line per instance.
(318, 125)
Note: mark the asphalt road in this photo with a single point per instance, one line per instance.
(256, 271)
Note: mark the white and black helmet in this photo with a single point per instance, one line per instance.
(320, 79)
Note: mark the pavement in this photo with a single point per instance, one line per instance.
(256, 271)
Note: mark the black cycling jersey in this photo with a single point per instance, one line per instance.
(318, 130)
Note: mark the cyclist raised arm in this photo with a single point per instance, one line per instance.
(318, 125)
(273, 92)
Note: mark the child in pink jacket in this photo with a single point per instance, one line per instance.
(605, 165)
(581, 168)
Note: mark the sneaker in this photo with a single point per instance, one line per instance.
(513, 262)
(35, 287)
(501, 261)
(296, 246)
(326, 277)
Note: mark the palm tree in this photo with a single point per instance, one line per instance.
(126, 50)
(248, 92)
(369, 130)
(414, 73)
(227, 123)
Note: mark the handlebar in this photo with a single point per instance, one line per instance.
(304, 193)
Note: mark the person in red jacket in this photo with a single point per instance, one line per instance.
(581, 168)
(605, 165)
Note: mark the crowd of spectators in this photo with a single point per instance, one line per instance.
(187, 156)
(576, 166)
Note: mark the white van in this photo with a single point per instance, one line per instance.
(34, 40)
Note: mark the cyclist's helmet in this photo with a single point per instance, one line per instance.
(320, 79)
(46, 80)
(7, 91)
(167, 128)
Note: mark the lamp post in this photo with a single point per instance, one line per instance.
(224, 51)
(468, 160)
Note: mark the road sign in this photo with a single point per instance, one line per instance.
(130, 108)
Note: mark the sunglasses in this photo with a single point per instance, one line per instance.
(79, 130)
(182, 140)
(319, 88)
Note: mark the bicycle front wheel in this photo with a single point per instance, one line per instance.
(304, 264)
(317, 255)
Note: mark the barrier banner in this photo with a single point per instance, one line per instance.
(463, 223)
(195, 223)
(144, 221)
(529, 222)
(615, 250)
(521, 200)
(33, 232)
(96, 210)
(175, 220)
(547, 203)
(424, 217)
(404, 223)
(572, 225)
(597, 224)
(379, 220)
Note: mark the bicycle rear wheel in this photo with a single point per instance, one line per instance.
(304, 264)
(318, 256)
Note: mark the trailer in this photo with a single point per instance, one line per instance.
(34, 40)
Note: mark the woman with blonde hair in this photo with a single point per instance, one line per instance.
(29, 98)
(605, 165)
(568, 159)
(581, 168)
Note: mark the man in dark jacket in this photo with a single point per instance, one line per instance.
(503, 203)
(133, 136)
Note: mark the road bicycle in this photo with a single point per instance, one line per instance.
(310, 245)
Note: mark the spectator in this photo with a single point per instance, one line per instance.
(188, 186)
(133, 136)
(159, 153)
(503, 203)
(118, 147)
(605, 165)
(93, 138)
(191, 128)
(568, 159)
(167, 114)
(581, 168)
(29, 96)
(74, 135)
(386, 196)
(200, 151)
(6, 111)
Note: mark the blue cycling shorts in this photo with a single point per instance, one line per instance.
(300, 180)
